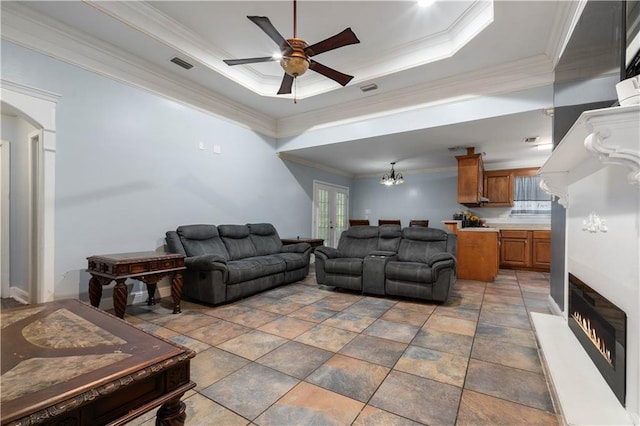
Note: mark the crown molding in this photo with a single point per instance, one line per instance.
(520, 75)
(562, 28)
(572, 18)
(295, 159)
(29, 91)
(33, 30)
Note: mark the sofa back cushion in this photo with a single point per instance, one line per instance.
(418, 244)
(237, 241)
(201, 239)
(358, 241)
(265, 238)
(389, 237)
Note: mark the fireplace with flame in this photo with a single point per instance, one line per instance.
(601, 328)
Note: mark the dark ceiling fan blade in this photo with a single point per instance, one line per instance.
(285, 87)
(248, 60)
(334, 75)
(344, 38)
(265, 25)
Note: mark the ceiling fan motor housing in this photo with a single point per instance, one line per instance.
(295, 63)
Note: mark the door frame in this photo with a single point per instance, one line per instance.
(5, 245)
(314, 218)
(38, 107)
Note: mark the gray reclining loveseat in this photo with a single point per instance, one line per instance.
(416, 262)
(228, 262)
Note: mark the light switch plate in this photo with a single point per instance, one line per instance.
(216, 149)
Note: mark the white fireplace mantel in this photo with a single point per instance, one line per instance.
(612, 135)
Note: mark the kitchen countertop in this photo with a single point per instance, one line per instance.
(478, 229)
(504, 225)
(521, 226)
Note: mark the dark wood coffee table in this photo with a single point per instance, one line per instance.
(66, 362)
(148, 267)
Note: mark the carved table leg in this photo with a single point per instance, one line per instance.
(95, 291)
(151, 290)
(120, 297)
(176, 292)
(172, 413)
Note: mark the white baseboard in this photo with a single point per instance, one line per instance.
(19, 294)
(555, 309)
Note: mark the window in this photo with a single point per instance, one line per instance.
(529, 198)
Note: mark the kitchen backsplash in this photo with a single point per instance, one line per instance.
(503, 215)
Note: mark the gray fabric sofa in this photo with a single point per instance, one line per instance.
(414, 262)
(229, 262)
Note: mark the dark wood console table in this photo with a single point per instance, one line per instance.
(148, 267)
(68, 363)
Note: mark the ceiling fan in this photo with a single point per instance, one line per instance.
(296, 53)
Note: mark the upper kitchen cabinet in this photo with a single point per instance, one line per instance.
(498, 188)
(499, 185)
(470, 178)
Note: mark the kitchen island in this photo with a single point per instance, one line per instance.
(478, 253)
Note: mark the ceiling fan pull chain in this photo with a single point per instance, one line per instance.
(295, 90)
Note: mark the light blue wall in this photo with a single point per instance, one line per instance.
(128, 168)
(429, 196)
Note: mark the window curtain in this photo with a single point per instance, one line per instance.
(529, 198)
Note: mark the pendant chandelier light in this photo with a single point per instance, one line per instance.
(392, 178)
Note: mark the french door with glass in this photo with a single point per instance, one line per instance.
(330, 212)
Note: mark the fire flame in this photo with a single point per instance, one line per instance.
(585, 324)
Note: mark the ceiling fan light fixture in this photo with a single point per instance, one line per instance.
(295, 63)
(295, 66)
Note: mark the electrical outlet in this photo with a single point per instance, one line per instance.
(201, 145)
(216, 149)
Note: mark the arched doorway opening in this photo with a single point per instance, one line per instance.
(37, 108)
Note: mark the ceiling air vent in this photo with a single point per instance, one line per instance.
(531, 139)
(368, 87)
(182, 63)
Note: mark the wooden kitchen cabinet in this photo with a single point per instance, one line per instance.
(515, 249)
(477, 254)
(541, 249)
(498, 188)
(470, 178)
(522, 249)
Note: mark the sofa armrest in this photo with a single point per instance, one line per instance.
(439, 257)
(296, 248)
(206, 262)
(328, 252)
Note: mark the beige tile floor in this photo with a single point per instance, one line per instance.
(307, 354)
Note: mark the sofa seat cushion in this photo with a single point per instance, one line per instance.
(344, 266)
(293, 261)
(409, 271)
(254, 267)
